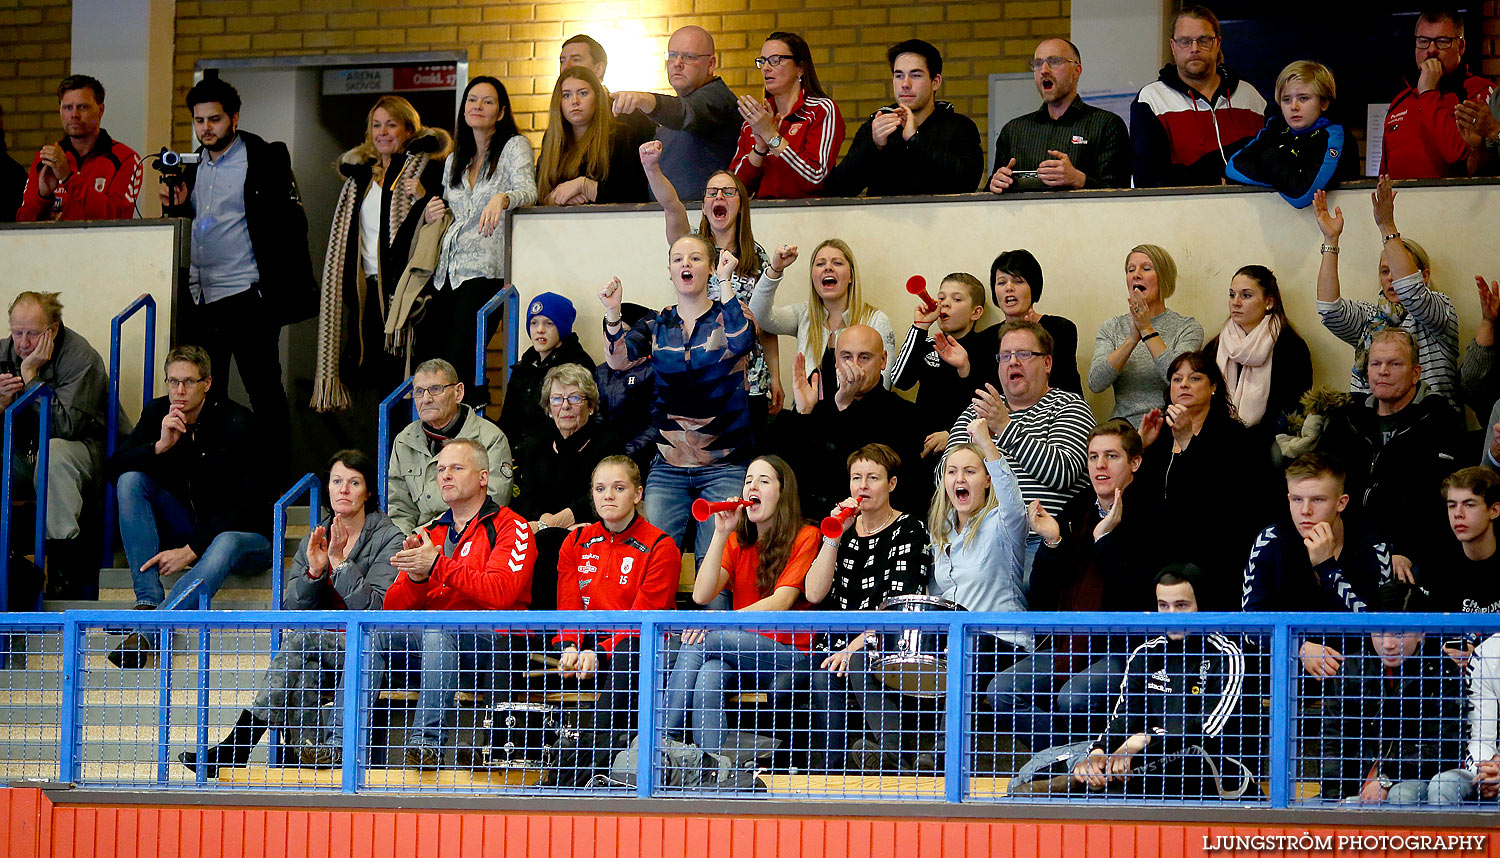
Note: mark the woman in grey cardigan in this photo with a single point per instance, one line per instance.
(1132, 352)
(344, 563)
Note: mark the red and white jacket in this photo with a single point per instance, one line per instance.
(103, 185)
(1421, 139)
(636, 569)
(487, 569)
(813, 131)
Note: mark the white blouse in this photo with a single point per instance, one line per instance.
(466, 254)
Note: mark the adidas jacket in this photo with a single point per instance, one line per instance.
(1180, 693)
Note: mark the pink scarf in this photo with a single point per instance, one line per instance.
(1245, 360)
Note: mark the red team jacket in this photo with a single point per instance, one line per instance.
(101, 187)
(813, 132)
(634, 570)
(1421, 139)
(489, 568)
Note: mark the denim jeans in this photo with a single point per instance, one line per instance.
(150, 516)
(485, 660)
(1022, 697)
(700, 679)
(1454, 786)
(670, 492)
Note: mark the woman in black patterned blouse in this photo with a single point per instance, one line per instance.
(883, 553)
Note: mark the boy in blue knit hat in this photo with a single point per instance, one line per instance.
(549, 322)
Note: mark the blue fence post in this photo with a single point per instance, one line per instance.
(1281, 713)
(164, 692)
(42, 395)
(505, 296)
(354, 684)
(645, 758)
(955, 705)
(69, 684)
(384, 437)
(112, 419)
(314, 489)
(201, 739)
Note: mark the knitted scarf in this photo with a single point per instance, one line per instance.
(1245, 361)
(329, 392)
(1387, 315)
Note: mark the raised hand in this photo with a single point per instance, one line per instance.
(317, 552)
(625, 102)
(727, 263)
(784, 256)
(1331, 225)
(338, 541)
(725, 522)
(611, 296)
(1151, 426)
(991, 407)
(922, 317)
(951, 352)
(805, 391)
(937, 442)
(761, 117)
(1182, 425)
(1489, 298)
(650, 150)
(1111, 521)
(416, 560)
(1383, 202)
(1042, 523)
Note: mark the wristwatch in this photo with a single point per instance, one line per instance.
(774, 142)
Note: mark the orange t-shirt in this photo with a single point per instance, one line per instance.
(742, 562)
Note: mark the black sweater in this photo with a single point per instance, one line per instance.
(521, 413)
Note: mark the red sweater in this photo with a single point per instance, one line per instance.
(102, 186)
(813, 131)
(1421, 139)
(488, 568)
(636, 569)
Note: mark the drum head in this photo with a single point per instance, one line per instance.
(923, 676)
(914, 603)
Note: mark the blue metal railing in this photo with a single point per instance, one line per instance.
(311, 486)
(362, 631)
(385, 435)
(148, 392)
(511, 300)
(42, 396)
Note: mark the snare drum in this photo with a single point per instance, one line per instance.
(521, 735)
(915, 661)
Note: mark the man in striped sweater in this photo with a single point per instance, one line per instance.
(1043, 431)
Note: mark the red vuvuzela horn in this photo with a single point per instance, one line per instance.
(833, 526)
(702, 509)
(917, 285)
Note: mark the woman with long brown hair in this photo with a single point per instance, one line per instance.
(761, 552)
(587, 155)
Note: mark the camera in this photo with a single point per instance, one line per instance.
(169, 164)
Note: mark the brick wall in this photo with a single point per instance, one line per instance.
(1490, 51)
(518, 41)
(35, 45)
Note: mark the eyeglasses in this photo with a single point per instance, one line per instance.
(572, 399)
(1204, 42)
(1053, 63)
(726, 193)
(1443, 42)
(182, 383)
(773, 60)
(1023, 356)
(433, 391)
(674, 56)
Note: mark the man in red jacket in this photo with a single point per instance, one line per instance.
(477, 556)
(1422, 141)
(87, 175)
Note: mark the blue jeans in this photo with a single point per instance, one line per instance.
(701, 676)
(487, 661)
(670, 492)
(150, 515)
(1022, 699)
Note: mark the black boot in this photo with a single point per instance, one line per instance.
(234, 751)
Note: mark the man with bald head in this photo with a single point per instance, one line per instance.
(699, 127)
(1065, 143)
(823, 432)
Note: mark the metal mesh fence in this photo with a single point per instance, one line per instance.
(31, 701)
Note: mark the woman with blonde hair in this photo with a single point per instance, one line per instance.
(833, 303)
(587, 155)
(388, 180)
(1132, 352)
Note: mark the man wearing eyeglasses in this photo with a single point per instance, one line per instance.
(414, 495)
(699, 126)
(918, 145)
(1186, 125)
(1422, 139)
(1064, 143)
(1042, 430)
(191, 488)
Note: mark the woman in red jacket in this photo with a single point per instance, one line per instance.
(791, 138)
(618, 563)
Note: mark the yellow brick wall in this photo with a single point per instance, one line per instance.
(518, 41)
(35, 44)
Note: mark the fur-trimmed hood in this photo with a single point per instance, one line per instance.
(434, 142)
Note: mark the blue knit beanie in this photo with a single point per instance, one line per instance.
(555, 307)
